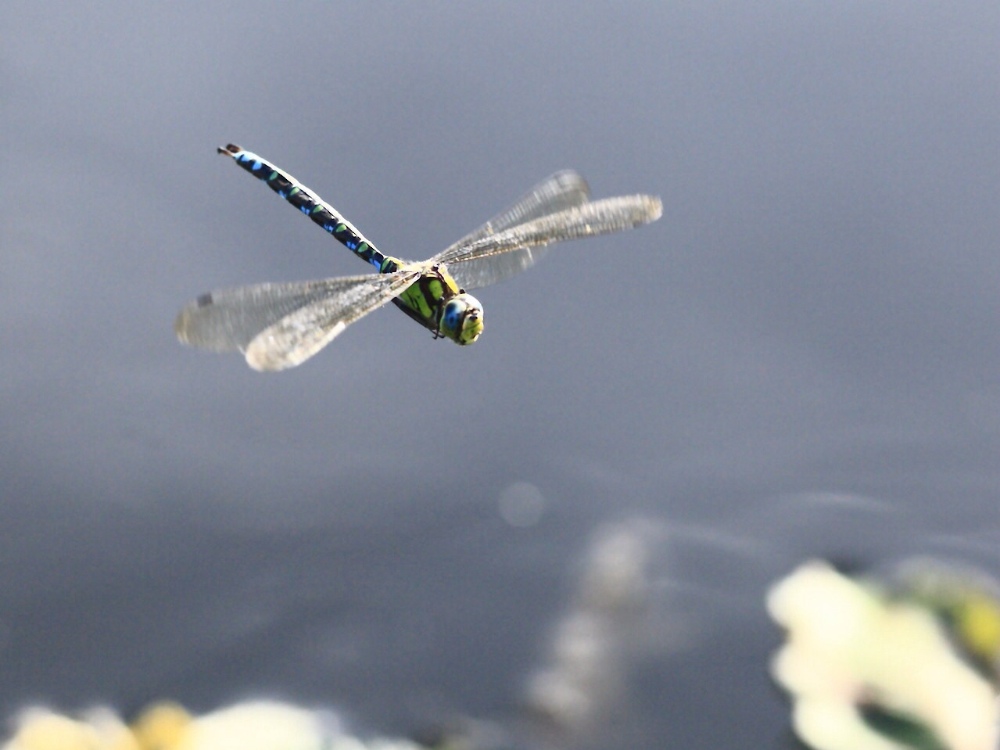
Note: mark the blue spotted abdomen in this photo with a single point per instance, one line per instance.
(304, 199)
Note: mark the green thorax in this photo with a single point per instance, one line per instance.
(435, 301)
(424, 299)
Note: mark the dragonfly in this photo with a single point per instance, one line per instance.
(280, 325)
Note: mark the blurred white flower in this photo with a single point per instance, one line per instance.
(43, 729)
(256, 725)
(259, 725)
(869, 668)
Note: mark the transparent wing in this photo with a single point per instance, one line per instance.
(587, 220)
(556, 193)
(282, 325)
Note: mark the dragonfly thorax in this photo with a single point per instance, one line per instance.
(437, 302)
(461, 318)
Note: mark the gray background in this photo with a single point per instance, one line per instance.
(801, 358)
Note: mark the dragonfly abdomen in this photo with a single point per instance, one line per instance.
(304, 199)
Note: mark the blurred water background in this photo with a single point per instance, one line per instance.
(568, 529)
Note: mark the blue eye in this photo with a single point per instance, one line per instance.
(452, 314)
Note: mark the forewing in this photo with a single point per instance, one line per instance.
(228, 319)
(282, 325)
(556, 193)
(605, 216)
(298, 336)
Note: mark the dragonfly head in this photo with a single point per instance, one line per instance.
(462, 319)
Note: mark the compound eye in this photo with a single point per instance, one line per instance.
(452, 315)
